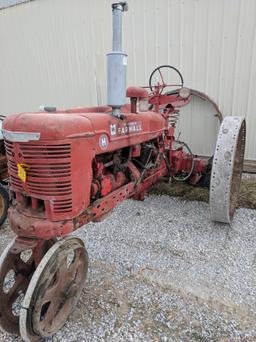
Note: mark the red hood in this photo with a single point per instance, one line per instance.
(49, 125)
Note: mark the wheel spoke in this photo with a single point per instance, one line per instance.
(20, 284)
(51, 293)
(51, 312)
(22, 267)
(161, 76)
(74, 265)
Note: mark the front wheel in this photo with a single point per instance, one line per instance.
(54, 289)
(4, 204)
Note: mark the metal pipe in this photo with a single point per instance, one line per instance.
(116, 63)
(117, 26)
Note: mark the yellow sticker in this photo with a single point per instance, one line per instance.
(22, 171)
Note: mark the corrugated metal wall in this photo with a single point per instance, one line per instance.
(53, 52)
(9, 3)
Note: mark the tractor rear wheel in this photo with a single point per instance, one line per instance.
(227, 167)
(4, 204)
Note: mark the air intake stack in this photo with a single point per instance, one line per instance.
(116, 63)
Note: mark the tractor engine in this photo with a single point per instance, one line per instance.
(113, 170)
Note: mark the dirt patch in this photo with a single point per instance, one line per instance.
(247, 197)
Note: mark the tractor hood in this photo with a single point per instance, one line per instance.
(46, 126)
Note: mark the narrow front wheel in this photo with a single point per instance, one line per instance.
(54, 289)
(4, 204)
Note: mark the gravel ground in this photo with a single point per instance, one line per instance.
(160, 270)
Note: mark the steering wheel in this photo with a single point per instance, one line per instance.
(163, 84)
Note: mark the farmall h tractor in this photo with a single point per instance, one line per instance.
(70, 167)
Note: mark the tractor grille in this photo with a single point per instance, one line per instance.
(49, 173)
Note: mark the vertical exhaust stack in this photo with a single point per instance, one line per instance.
(116, 63)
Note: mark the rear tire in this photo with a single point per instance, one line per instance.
(4, 204)
(227, 169)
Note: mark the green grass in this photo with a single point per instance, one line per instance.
(247, 198)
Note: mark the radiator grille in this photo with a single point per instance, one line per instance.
(9, 148)
(49, 173)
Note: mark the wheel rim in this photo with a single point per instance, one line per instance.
(227, 169)
(2, 205)
(237, 170)
(54, 289)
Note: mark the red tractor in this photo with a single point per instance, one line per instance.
(70, 167)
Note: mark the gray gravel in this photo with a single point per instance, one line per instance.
(160, 270)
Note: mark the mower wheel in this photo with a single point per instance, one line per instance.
(4, 204)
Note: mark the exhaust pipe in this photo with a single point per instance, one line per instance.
(116, 63)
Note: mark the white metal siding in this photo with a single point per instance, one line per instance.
(9, 3)
(53, 52)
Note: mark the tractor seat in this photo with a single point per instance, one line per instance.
(136, 92)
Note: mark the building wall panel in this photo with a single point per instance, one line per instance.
(53, 52)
